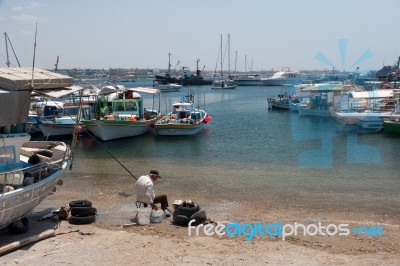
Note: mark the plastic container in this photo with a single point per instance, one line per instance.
(143, 216)
(157, 216)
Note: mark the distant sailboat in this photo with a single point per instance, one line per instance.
(224, 83)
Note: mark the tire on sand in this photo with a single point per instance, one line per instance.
(82, 219)
(83, 211)
(80, 203)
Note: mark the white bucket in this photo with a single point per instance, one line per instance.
(143, 216)
(157, 216)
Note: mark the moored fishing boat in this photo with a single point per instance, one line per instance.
(185, 78)
(224, 84)
(322, 98)
(184, 119)
(66, 123)
(29, 170)
(391, 126)
(367, 109)
(126, 115)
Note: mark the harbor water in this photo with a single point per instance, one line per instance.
(248, 154)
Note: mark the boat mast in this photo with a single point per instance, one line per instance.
(397, 71)
(34, 53)
(221, 57)
(56, 65)
(169, 64)
(245, 64)
(8, 58)
(235, 59)
(197, 67)
(229, 55)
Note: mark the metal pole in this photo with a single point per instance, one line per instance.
(34, 53)
(8, 58)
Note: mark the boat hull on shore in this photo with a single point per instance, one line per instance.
(19, 198)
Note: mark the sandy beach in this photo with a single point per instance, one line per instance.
(156, 244)
(109, 242)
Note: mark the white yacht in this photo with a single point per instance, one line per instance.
(284, 77)
(249, 80)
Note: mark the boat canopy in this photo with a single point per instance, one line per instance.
(20, 79)
(145, 89)
(323, 88)
(372, 94)
(16, 91)
(57, 93)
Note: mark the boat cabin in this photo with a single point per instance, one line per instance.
(72, 110)
(367, 101)
(182, 110)
(128, 108)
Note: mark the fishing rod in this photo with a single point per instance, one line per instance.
(109, 153)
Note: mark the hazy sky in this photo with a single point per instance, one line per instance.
(140, 34)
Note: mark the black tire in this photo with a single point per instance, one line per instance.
(80, 203)
(82, 219)
(19, 227)
(180, 219)
(187, 208)
(83, 211)
(199, 216)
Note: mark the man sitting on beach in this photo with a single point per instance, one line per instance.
(145, 192)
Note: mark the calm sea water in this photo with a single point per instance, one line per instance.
(252, 154)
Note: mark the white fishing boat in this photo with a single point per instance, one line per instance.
(126, 115)
(322, 97)
(66, 122)
(184, 119)
(29, 170)
(367, 109)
